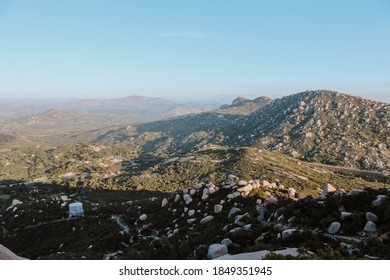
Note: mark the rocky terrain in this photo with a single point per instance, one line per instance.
(237, 219)
(301, 177)
(322, 126)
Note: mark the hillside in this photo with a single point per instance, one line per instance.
(322, 126)
(243, 106)
(247, 200)
(60, 122)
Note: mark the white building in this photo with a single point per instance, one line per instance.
(76, 209)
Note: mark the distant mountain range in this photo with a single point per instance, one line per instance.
(65, 118)
(322, 126)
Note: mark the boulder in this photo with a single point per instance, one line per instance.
(371, 217)
(164, 202)
(192, 191)
(247, 227)
(355, 192)
(188, 200)
(328, 188)
(246, 188)
(233, 211)
(242, 183)
(218, 208)
(177, 197)
(264, 183)
(291, 192)
(378, 201)
(198, 186)
(232, 177)
(236, 230)
(242, 220)
(287, 233)
(344, 214)
(205, 197)
(258, 201)
(216, 250)
(370, 227)
(271, 200)
(16, 202)
(6, 254)
(186, 196)
(207, 219)
(64, 198)
(227, 242)
(143, 217)
(334, 228)
(191, 213)
(190, 221)
(230, 196)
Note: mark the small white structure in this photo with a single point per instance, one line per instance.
(76, 209)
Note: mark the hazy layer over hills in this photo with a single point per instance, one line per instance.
(48, 120)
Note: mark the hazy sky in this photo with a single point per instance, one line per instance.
(188, 49)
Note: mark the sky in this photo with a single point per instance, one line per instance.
(193, 49)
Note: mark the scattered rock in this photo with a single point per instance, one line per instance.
(233, 211)
(271, 200)
(328, 188)
(356, 192)
(227, 242)
(258, 201)
(190, 221)
(198, 186)
(343, 215)
(217, 208)
(334, 228)
(216, 250)
(291, 192)
(242, 220)
(371, 217)
(370, 227)
(287, 233)
(16, 202)
(64, 198)
(188, 200)
(247, 227)
(143, 217)
(191, 213)
(236, 230)
(264, 183)
(242, 183)
(246, 188)
(207, 219)
(379, 200)
(164, 202)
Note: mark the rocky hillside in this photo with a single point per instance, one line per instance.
(243, 106)
(233, 219)
(322, 126)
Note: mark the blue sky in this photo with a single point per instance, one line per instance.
(194, 49)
